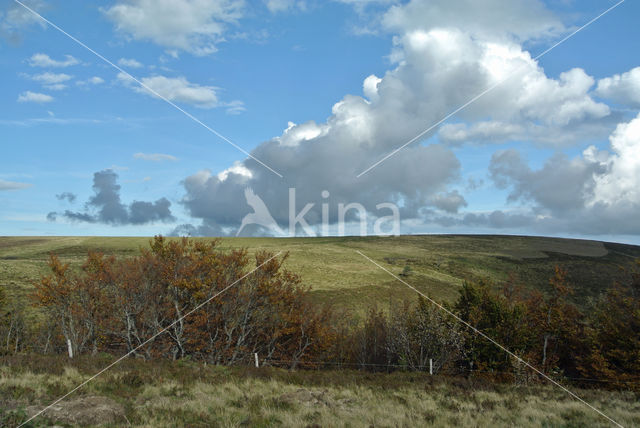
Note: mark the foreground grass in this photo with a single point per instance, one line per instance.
(165, 394)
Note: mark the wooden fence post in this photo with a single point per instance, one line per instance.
(69, 348)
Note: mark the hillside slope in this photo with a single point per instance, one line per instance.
(438, 264)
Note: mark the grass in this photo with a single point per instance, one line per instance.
(165, 393)
(339, 276)
(161, 394)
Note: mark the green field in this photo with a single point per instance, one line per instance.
(340, 276)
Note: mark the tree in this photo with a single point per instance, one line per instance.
(59, 294)
(555, 323)
(372, 343)
(12, 324)
(498, 317)
(424, 332)
(613, 339)
(170, 299)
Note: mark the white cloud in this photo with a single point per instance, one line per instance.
(370, 87)
(445, 52)
(51, 78)
(488, 19)
(174, 89)
(238, 168)
(155, 157)
(12, 185)
(235, 107)
(34, 97)
(275, 6)
(443, 69)
(296, 134)
(52, 81)
(95, 80)
(596, 193)
(621, 183)
(43, 60)
(621, 88)
(129, 62)
(194, 26)
(15, 18)
(56, 87)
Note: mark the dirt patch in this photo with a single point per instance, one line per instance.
(84, 411)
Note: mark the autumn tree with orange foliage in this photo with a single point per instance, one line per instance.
(613, 336)
(555, 323)
(118, 305)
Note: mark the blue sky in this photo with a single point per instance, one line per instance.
(517, 161)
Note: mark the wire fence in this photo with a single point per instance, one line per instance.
(452, 371)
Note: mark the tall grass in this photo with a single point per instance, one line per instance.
(164, 394)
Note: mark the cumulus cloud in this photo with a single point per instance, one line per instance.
(15, 18)
(68, 196)
(13, 185)
(43, 60)
(562, 185)
(106, 207)
(53, 81)
(155, 157)
(622, 181)
(496, 219)
(95, 80)
(595, 193)
(517, 108)
(194, 26)
(129, 62)
(443, 55)
(34, 97)
(450, 202)
(488, 20)
(621, 88)
(463, 47)
(174, 89)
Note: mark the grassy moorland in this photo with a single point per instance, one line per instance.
(339, 275)
(189, 393)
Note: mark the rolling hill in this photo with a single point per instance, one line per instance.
(339, 275)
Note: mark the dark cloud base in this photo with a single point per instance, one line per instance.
(106, 207)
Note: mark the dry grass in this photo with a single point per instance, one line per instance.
(161, 394)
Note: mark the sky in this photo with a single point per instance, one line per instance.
(163, 115)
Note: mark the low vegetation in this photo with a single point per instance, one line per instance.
(162, 393)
